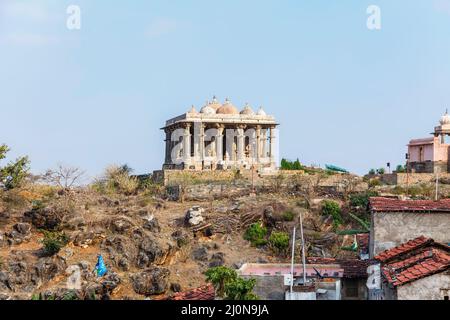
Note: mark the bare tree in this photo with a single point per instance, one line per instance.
(64, 177)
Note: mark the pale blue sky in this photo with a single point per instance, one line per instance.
(343, 94)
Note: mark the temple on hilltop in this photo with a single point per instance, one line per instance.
(220, 137)
(431, 155)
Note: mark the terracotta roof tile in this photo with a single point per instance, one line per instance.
(414, 260)
(353, 268)
(380, 204)
(206, 292)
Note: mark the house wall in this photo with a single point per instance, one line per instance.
(414, 153)
(429, 288)
(389, 230)
(269, 287)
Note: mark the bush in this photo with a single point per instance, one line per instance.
(372, 172)
(400, 169)
(256, 234)
(331, 208)
(117, 180)
(54, 241)
(374, 183)
(279, 242)
(361, 200)
(288, 216)
(381, 171)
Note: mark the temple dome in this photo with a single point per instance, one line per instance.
(208, 110)
(247, 110)
(227, 108)
(261, 112)
(445, 119)
(215, 104)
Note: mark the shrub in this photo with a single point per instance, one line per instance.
(117, 180)
(288, 216)
(256, 234)
(331, 208)
(400, 169)
(381, 171)
(54, 241)
(361, 200)
(374, 183)
(372, 172)
(279, 242)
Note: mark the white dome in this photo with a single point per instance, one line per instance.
(208, 110)
(247, 110)
(445, 119)
(261, 112)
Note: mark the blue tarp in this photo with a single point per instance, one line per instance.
(100, 267)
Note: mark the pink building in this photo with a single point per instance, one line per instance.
(430, 155)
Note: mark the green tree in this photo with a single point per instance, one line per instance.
(13, 174)
(54, 241)
(240, 289)
(220, 277)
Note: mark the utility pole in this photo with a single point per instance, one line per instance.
(292, 262)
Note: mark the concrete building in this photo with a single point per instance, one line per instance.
(395, 221)
(220, 137)
(416, 270)
(273, 280)
(431, 155)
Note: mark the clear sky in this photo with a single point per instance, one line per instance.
(344, 94)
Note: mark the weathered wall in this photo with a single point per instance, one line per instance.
(429, 288)
(392, 229)
(269, 287)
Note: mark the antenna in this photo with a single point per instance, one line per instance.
(292, 260)
(303, 250)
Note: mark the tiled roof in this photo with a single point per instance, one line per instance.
(414, 260)
(206, 292)
(353, 268)
(404, 248)
(380, 204)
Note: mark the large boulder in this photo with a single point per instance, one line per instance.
(200, 253)
(48, 218)
(151, 281)
(153, 251)
(194, 216)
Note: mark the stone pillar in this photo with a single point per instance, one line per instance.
(240, 143)
(258, 144)
(264, 143)
(272, 144)
(187, 144)
(219, 143)
(168, 147)
(197, 142)
(202, 142)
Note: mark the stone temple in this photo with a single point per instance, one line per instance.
(431, 155)
(220, 137)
